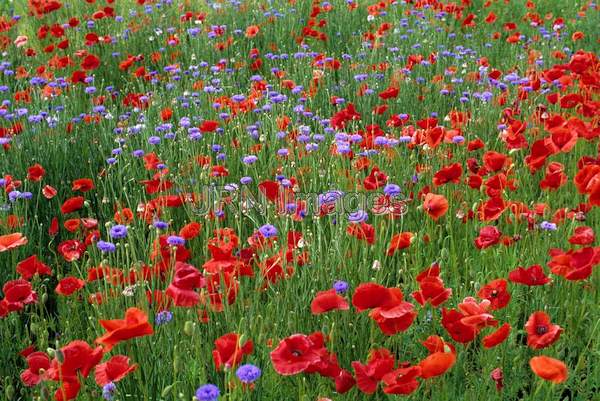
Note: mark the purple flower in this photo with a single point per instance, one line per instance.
(119, 231)
(174, 240)
(340, 286)
(108, 391)
(248, 373)
(160, 225)
(546, 225)
(249, 159)
(106, 247)
(245, 180)
(268, 231)
(392, 190)
(163, 317)
(358, 217)
(208, 392)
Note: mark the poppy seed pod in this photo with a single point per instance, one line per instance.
(188, 328)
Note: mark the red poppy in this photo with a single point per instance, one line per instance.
(436, 364)
(451, 173)
(11, 241)
(476, 314)
(190, 230)
(77, 357)
(435, 205)
(362, 231)
(574, 264)
(82, 185)
(134, 325)
(432, 287)
(402, 381)
(72, 205)
(208, 126)
(31, 266)
(326, 301)
(549, 369)
(251, 31)
(37, 365)
(49, 192)
(541, 333)
(400, 241)
(460, 332)
(583, 236)
(375, 179)
(68, 285)
(90, 62)
(183, 285)
(495, 292)
(488, 236)
(35, 173)
(380, 363)
(533, 275)
(497, 337)
(294, 354)
(113, 370)
(229, 351)
(71, 249)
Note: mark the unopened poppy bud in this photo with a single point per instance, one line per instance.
(44, 298)
(86, 203)
(60, 357)
(444, 254)
(51, 352)
(176, 364)
(9, 392)
(188, 328)
(166, 391)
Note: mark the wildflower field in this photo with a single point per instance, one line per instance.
(281, 200)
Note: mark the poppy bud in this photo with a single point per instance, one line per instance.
(176, 363)
(51, 352)
(9, 392)
(44, 298)
(166, 391)
(188, 328)
(60, 356)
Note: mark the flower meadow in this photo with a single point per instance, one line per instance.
(230, 200)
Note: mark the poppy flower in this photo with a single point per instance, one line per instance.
(436, 364)
(362, 231)
(31, 266)
(574, 265)
(37, 365)
(460, 332)
(495, 291)
(82, 185)
(183, 285)
(71, 249)
(294, 354)
(488, 236)
(68, 285)
(134, 325)
(11, 241)
(252, 31)
(497, 337)
(435, 205)
(326, 301)
(451, 173)
(35, 173)
(533, 275)
(190, 230)
(380, 363)
(582, 236)
(432, 287)
(113, 370)
(370, 295)
(400, 241)
(49, 192)
(229, 351)
(90, 62)
(402, 381)
(72, 205)
(549, 369)
(541, 333)
(77, 357)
